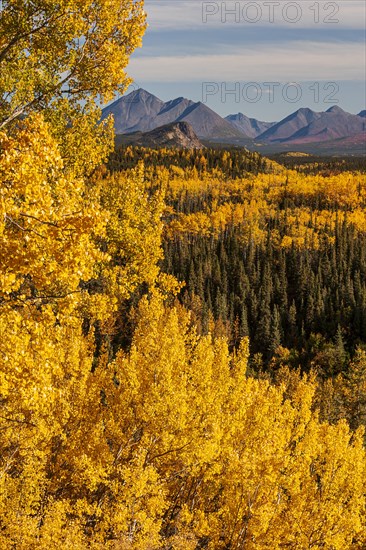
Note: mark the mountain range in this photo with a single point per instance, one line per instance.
(305, 126)
(142, 112)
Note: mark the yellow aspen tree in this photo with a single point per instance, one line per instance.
(133, 231)
(45, 366)
(47, 223)
(76, 49)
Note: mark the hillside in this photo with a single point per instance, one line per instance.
(179, 135)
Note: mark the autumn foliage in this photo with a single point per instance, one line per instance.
(121, 424)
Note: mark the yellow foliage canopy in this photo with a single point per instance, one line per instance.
(46, 221)
(169, 444)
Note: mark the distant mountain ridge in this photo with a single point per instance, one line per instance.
(284, 129)
(141, 111)
(249, 126)
(305, 126)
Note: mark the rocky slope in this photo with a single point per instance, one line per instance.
(177, 134)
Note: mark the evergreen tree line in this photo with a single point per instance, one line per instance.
(301, 299)
(232, 162)
(312, 164)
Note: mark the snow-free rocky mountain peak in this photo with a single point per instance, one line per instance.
(141, 111)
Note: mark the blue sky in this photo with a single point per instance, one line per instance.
(263, 58)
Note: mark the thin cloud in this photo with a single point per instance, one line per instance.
(182, 14)
(298, 62)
